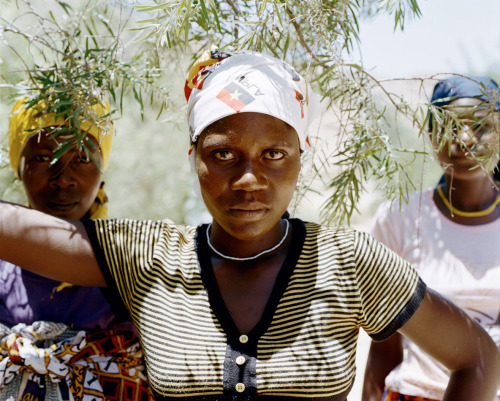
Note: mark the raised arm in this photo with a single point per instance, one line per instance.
(49, 246)
(446, 333)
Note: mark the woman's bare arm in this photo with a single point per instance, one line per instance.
(383, 357)
(446, 333)
(52, 247)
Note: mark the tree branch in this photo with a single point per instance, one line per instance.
(302, 40)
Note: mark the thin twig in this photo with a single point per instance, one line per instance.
(302, 40)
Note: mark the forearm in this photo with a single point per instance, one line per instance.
(478, 378)
(478, 384)
(372, 391)
(46, 245)
(453, 338)
(383, 357)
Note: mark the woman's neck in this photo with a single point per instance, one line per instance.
(468, 201)
(228, 247)
(470, 195)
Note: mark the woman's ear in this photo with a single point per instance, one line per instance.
(192, 158)
(20, 168)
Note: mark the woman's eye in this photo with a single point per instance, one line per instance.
(274, 155)
(481, 129)
(41, 158)
(82, 158)
(223, 155)
(455, 130)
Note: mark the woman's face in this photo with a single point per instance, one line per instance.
(248, 165)
(469, 140)
(66, 189)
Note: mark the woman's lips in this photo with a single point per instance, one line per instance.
(248, 214)
(61, 206)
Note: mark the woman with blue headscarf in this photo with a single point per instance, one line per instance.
(450, 233)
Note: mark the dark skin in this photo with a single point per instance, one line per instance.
(247, 183)
(383, 357)
(467, 190)
(243, 164)
(66, 188)
(246, 289)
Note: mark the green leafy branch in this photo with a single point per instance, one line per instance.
(315, 36)
(76, 61)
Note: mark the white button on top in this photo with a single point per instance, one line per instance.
(243, 339)
(240, 360)
(240, 387)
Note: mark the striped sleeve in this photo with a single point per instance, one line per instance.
(124, 250)
(390, 289)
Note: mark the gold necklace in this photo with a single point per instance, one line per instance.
(480, 213)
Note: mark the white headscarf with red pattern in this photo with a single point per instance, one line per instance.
(221, 84)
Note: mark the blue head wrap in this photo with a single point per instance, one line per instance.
(456, 87)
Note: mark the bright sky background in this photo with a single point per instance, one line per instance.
(461, 36)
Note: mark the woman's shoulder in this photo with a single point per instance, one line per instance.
(415, 204)
(126, 232)
(141, 225)
(329, 232)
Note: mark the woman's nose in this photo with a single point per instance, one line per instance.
(465, 136)
(249, 178)
(62, 176)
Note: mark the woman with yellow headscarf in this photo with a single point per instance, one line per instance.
(26, 126)
(92, 351)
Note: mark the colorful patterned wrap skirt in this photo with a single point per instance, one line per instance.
(390, 395)
(47, 361)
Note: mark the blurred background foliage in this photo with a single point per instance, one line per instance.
(369, 144)
(69, 53)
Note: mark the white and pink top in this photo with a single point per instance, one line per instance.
(461, 262)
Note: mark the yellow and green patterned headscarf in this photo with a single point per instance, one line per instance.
(25, 122)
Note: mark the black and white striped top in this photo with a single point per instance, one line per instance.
(333, 282)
